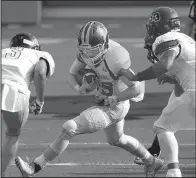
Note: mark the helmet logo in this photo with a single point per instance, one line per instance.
(155, 17)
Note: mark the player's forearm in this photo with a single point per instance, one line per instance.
(39, 82)
(73, 83)
(150, 73)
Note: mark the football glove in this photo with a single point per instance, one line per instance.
(36, 107)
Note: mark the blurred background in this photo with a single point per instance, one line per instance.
(56, 25)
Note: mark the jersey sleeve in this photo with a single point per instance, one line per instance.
(164, 43)
(118, 58)
(48, 57)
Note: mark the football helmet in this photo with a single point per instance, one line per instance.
(93, 42)
(25, 40)
(161, 21)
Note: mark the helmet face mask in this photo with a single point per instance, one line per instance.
(92, 54)
(148, 46)
(93, 42)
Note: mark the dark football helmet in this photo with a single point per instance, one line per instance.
(25, 40)
(161, 21)
(93, 42)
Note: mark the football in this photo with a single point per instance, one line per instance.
(89, 77)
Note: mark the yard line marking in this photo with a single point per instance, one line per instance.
(107, 164)
(94, 143)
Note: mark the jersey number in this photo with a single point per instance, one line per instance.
(14, 54)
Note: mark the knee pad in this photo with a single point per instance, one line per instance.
(13, 132)
(69, 129)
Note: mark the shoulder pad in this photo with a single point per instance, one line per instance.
(164, 46)
(118, 56)
(113, 44)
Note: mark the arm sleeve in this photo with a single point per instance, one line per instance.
(165, 46)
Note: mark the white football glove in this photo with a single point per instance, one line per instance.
(36, 107)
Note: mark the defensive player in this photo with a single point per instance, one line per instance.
(154, 149)
(22, 63)
(105, 57)
(175, 54)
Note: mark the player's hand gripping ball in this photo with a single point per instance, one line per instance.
(88, 80)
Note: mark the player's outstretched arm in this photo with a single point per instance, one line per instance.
(40, 75)
(161, 67)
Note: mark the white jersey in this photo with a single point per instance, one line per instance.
(183, 68)
(18, 66)
(116, 57)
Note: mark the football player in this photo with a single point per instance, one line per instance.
(22, 63)
(154, 149)
(175, 54)
(191, 27)
(105, 57)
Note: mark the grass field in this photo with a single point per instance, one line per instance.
(89, 155)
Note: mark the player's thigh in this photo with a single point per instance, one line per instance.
(91, 120)
(176, 115)
(97, 118)
(12, 99)
(15, 120)
(115, 131)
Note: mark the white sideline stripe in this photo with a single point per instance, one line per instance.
(94, 143)
(104, 164)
